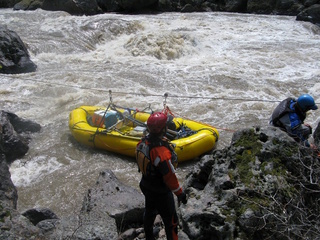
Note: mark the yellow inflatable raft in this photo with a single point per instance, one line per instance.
(119, 130)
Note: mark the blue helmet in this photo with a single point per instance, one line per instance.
(306, 103)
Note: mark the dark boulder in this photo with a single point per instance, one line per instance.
(8, 192)
(14, 56)
(288, 7)
(235, 6)
(310, 14)
(14, 135)
(74, 7)
(261, 7)
(137, 5)
(109, 5)
(28, 5)
(8, 3)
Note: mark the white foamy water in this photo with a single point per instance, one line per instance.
(228, 70)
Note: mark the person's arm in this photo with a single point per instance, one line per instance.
(163, 162)
(296, 129)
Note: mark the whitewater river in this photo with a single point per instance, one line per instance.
(227, 70)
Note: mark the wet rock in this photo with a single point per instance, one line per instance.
(235, 6)
(109, 6)
(28, 5)
(310, 14)
(261, 7)
(8, 3)
(288, 7)
(8, 192)
(14, 135)
(14, 56)
(136, 5)
(74, 7)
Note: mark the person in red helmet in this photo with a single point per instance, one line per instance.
(156, 158)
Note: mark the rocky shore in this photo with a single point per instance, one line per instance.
(305, 10)
(264, 184)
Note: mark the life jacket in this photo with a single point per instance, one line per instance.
(287, 106)
(143, 156)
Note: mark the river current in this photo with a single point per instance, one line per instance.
(227, 70)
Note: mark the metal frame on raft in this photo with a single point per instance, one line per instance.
(192, 139)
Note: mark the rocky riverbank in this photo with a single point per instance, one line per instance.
(264, 184)
(305, 10)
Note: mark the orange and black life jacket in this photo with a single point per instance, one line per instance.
(143, 155)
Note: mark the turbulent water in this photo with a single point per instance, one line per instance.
(227, 70)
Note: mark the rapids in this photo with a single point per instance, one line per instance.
(227, 70)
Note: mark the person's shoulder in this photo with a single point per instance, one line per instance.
(162, 151)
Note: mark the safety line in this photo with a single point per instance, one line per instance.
(155, 95)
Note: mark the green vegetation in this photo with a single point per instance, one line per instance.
(245, 160)
(252, 174)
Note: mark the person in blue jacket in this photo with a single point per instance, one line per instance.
(290, 114)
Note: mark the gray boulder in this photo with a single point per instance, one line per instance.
(254, 189)
(123, 203)
(15, 135)
(14, 226)
(8, 192)
(14, 56)
(109, 207)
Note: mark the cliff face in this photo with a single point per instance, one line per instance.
(262, 185)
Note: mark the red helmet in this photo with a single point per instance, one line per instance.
(156, 122)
